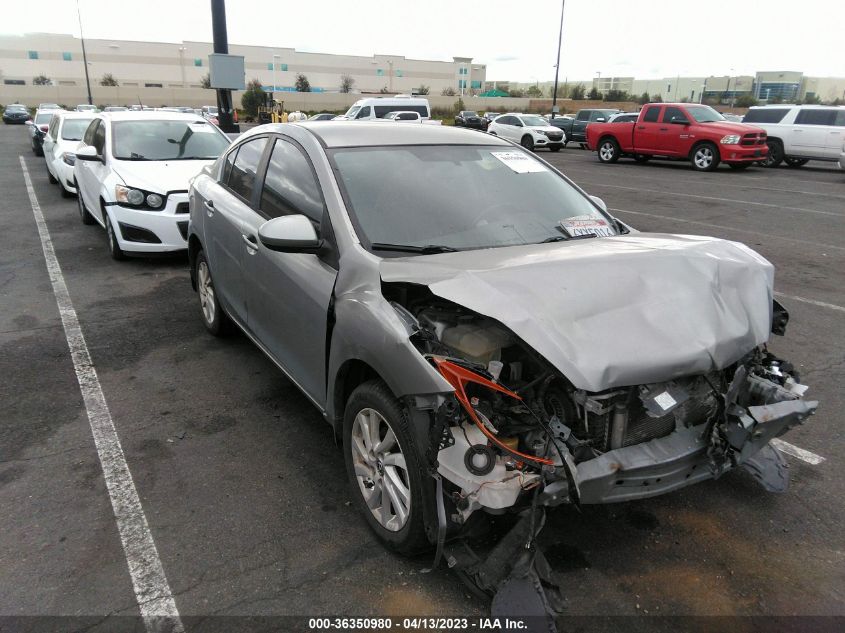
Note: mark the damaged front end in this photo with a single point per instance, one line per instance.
(517, 436)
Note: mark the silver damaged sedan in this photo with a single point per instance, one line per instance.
(484, 335)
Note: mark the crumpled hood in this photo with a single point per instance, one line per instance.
(610, 312)
(159, 176)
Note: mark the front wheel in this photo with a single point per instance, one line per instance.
(554, 148)
(51, 178)
(705, 157)
(384, 473)
(213, 318)
(527, 142)
(609, 151)
(775, 155)
(86, 217)
(795, 162)
(114, 248)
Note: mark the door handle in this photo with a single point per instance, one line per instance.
(209, 207)
(664, 129)
(641, 127)
(250, 241)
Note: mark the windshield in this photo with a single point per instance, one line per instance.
(704, 114)
(16, 108)
(167, 140)
(352, 111)
(486, 196)
(534, 121)
(74, 129)
(44, 117)
(470, 113)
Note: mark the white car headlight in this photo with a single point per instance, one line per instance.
(154, 200)
(730, 139)
(69, 158)
(543, 132)
(127, 195)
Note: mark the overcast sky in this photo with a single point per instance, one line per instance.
(517, 39)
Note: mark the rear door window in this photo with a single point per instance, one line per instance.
(651, 114)
(241, 180)
(813, 116)
(584, 115)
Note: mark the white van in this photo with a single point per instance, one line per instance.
(376, 107)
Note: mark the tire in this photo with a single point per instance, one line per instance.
(114, 248)
(527, 142)
(775, 156)
(705, 157)
(641, 158)
(52, 178)
(86, 217)
(795, 162)
(65, 193)
(608, 150)
(555, 148)
(372, 404)
(213, 318)
(739, 166)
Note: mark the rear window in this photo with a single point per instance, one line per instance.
(765, 115)
(816, 117)
(43, 118)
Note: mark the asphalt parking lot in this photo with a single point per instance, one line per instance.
(244, 488)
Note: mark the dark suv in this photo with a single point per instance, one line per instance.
(468, 118)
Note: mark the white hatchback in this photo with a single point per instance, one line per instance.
(133, 171)
(60, 143)
(529, 130)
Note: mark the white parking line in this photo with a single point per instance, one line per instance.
(731, 200)
(800, 453)
(155, 600)
(821, 304)
(816, 245)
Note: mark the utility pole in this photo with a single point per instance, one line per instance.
(221, 45)
(557, 66)
(84, 57)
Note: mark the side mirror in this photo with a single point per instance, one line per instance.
(290, 234)
(600, 119)
(599, 202)
(89, 152)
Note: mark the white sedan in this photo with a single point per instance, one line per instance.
(62, 139)
(529, 130)
(133, 171)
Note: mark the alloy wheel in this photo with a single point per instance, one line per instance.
(380, 469)
(206, 292)
(607, 151)
(703, 157)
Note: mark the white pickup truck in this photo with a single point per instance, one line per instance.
(407, 116)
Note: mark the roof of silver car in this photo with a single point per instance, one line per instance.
(360, 134)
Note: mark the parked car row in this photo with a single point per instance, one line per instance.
(419, 285)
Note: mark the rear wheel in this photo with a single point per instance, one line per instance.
(554, 148)
(86, 217)
(527, 142)
(795, 162)
(384, 473)
(775, 155)
(705, 157)
(608, 150)
(213, 318)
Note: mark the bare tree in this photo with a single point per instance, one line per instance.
(108, 80)
(346, 83)
(448, 91)
(423, 90)
(42, 80)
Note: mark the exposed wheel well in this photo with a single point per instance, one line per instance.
(607, 137)
(351, 374)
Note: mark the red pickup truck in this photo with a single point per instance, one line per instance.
(680, 131)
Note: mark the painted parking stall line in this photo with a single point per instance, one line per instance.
(820, 304)
(795, 451)
(152, 591)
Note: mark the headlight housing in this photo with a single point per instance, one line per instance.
(730, 139)
(69, 158)
(139, 198)
(542, 132)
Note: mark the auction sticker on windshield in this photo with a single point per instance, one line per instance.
(520, 162)
(586, 225)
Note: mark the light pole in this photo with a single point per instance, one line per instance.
(182, 50)
(598, 81)
(463, 82)
(728, 89)
(557, 65)
(275, 63)
(84, 56)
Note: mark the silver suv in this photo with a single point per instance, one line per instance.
(800, 133)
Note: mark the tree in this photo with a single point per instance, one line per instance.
(42, 80)
(448, 91)
(205, 81)
(423, 90)
(808, 99)
(577, 93)
(745, 101)
(594, 94)
(302, 83)
(562, 91)
(644, 98)
(534, 91)
(616, 95)
(253, 98)
(108, 80)
(657, 99)
(516, 92)
(775, 99)
(346, 83)
(459, 105)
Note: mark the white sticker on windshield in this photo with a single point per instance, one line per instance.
(520, 162)
(201, 127)
(586, 225)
